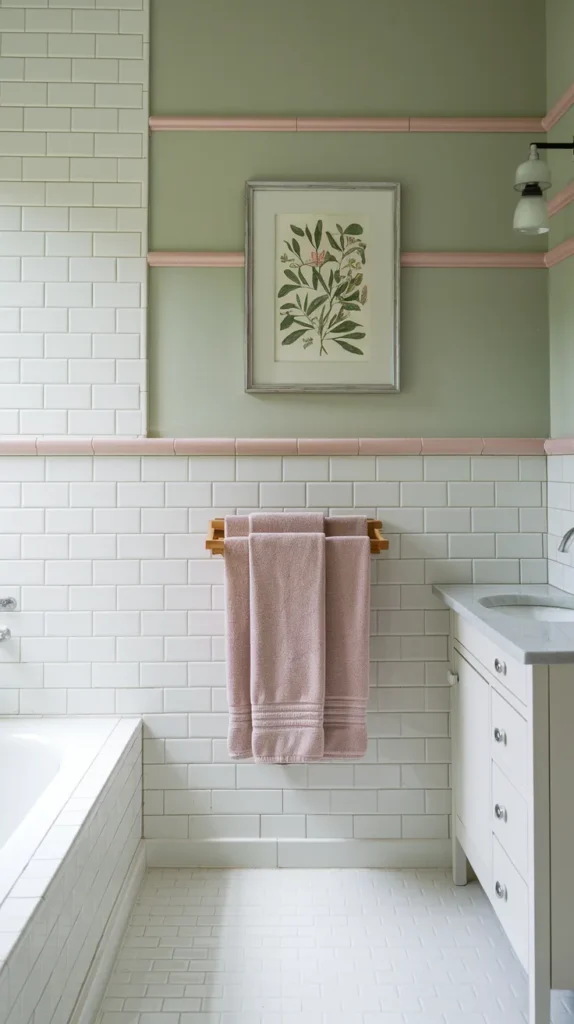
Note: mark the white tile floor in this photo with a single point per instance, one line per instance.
(315, 947)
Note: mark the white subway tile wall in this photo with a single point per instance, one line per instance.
(73, 216)
(42, 977)
(121, 611)
(560, 519)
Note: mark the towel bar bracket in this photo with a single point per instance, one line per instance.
(215, 541)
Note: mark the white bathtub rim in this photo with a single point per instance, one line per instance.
(96, 982)
(30, 833)
(116, 739)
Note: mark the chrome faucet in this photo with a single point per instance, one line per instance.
(566, 540)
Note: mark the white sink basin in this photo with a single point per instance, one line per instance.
(534, 608)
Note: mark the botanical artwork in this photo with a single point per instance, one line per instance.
(322, 292)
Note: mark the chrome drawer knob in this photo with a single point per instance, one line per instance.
(500, 666)
(500, 812)
(501, 891)
(499, 735)
(9, 604)
(5, 634)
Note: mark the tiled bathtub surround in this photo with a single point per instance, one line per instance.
(121, 612)
(64, 897)
(560, 519)
(73, 217)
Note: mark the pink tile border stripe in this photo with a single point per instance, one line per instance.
(561, 199)
(353, 124)
(223, 124)
(559, 253)
(476, 124)
(281, 446)
(195, 259)
(445, 260)
(559, 446)
(561, 107)
(474, 260)
(346, 124)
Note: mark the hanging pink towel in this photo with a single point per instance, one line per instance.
(346, 526)
(348, 569)
(287, 522)
(287, 599)
(237, 642)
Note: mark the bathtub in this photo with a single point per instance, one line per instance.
(70, 827)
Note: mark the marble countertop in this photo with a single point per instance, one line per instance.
(528, 641)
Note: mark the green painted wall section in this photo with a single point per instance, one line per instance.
(560, 75)
(474, 361)
(348, 57)
(560, 48)
(474, 343)
(456, 190)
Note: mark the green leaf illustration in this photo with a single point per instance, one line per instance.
(287, 321)
(344, 327)
(318, 233)
(308, 233)
(291, 338)
(332, 242)
(297, 231)
(285, 289)
(348, 348)
(353, 229)
(339, 229)
(316, 303)
(355, 335)
(296, 247)
(291, 276)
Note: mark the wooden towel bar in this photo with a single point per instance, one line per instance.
(215, 541)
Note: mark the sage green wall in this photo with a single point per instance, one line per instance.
(474, 343)
(560, 75)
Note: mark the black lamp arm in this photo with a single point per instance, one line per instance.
(554, 145)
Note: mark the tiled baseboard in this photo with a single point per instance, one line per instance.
(298, 853)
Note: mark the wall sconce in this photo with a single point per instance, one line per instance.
(531, 180)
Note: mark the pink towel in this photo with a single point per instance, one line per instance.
(236, 526)
(238, 655)
(287, 522)
(287, 598)
(270, 710)
(346, 526)
(347, 646)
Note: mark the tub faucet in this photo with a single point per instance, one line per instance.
(566, 540)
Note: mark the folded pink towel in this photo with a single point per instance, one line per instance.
(287, 522)
(348, 569)
(346, 526)
(297, 667)
(237, 642)
(287, 598)
(236, 526)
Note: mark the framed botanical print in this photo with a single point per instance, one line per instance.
(322, 286)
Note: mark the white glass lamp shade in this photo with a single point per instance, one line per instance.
(533, 171)
(531, 215)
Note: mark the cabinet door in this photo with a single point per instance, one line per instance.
(471, 764)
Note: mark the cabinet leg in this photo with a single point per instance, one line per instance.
(459, 864)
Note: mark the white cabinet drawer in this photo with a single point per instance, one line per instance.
(508, 740)
(510, 819)
(510, 673)
(509, 898)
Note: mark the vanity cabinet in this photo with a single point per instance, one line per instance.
(513, 801)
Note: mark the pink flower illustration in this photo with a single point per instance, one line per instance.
(317, 258)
